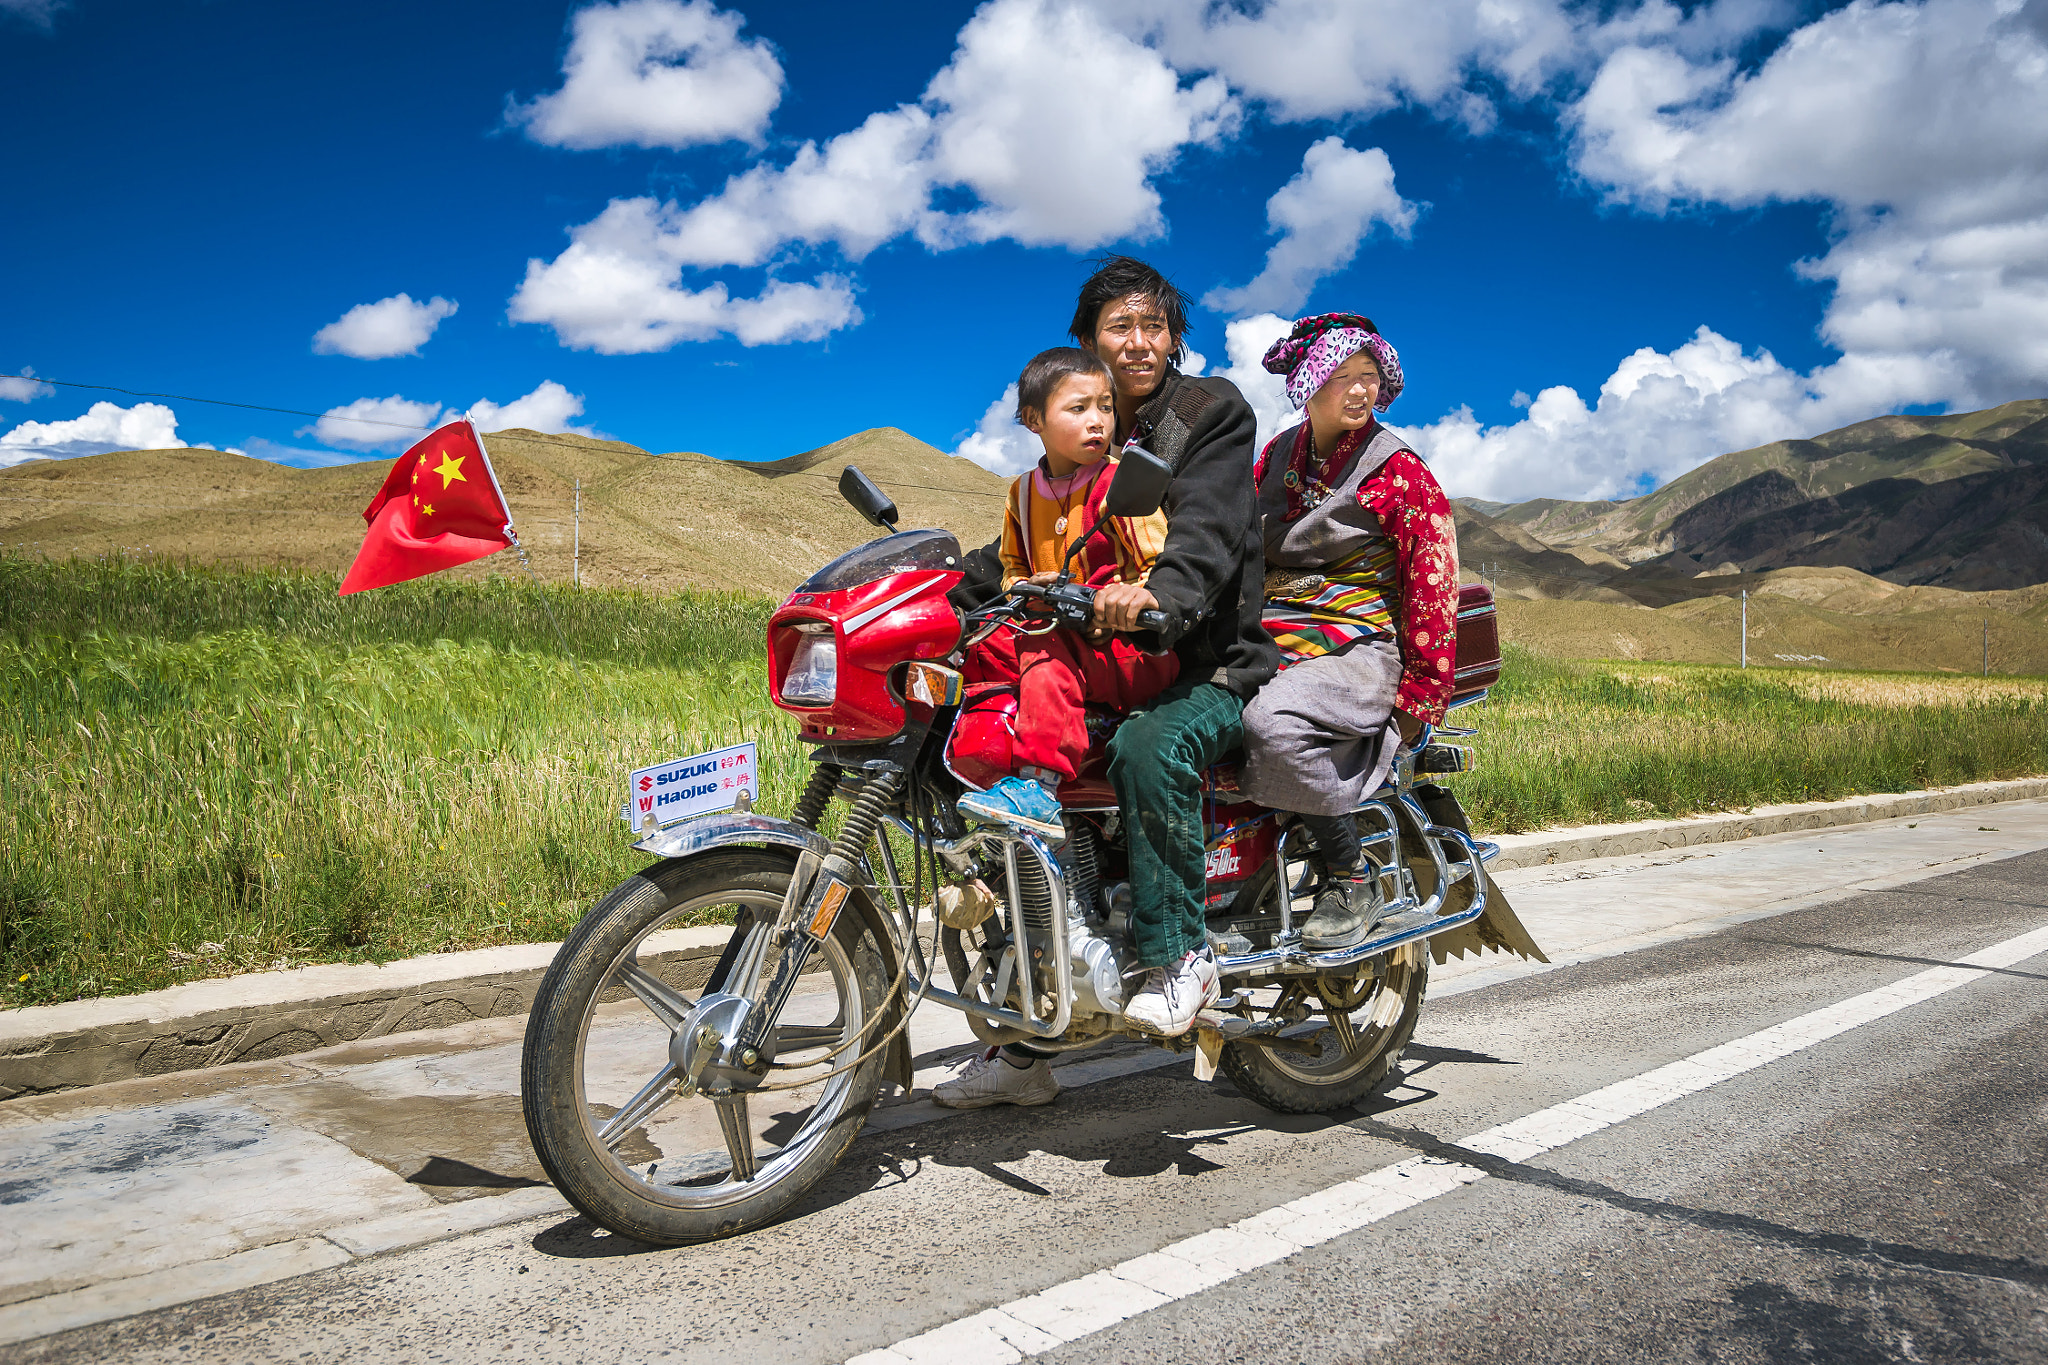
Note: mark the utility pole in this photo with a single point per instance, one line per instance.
(576, 545)
(1745, 627)
(1987, 646)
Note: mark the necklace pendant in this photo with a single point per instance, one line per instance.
(1059, 528)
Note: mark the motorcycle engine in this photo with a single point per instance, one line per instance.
(1100, 956)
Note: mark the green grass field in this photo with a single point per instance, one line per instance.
(205, 771)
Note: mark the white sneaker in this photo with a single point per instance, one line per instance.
(989, 1079)
(1172, 996)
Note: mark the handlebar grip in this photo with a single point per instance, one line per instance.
(1152, 620)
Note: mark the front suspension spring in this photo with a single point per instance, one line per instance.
(865, 815)
(810, 807)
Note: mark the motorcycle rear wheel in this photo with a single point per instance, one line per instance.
(671, 1170)
(1369, 1023)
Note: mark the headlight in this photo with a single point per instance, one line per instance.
(813, 677)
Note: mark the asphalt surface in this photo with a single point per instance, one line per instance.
(1879, 1196)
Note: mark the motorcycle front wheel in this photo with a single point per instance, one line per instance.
(599, 1091)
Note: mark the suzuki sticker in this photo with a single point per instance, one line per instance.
(697, 785)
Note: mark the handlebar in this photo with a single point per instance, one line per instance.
(1073, 604)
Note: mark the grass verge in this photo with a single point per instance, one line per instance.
(205, 771)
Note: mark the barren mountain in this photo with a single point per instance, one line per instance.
(1955, 499)
(655, 521)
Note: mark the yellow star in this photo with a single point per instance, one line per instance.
(428, 509)
(450, 470)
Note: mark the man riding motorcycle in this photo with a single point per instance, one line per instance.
(1208, 580)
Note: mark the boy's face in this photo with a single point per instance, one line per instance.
(1076, 423)
(1132, 334)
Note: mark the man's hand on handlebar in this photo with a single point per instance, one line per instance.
(1117, 605)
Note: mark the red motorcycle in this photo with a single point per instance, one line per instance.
(672, 1111)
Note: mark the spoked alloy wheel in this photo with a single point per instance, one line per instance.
(1365, 1025)
(599, 1088)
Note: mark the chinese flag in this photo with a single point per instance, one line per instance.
(439, 507)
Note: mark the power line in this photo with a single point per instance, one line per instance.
(534, 440)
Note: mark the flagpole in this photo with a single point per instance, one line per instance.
(496, 487)
(589, 697)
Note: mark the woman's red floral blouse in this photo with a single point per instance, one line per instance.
(1416, 515)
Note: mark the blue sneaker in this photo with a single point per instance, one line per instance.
(1021, 802)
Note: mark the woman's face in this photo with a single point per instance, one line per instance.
(1344, 402)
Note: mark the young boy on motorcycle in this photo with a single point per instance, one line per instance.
(1066, 398)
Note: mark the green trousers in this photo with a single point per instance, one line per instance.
(1156, 759)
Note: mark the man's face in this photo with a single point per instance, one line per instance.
(1132, 335)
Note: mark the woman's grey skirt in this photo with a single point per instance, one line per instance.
(1316, 738)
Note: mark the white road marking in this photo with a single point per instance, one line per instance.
(1069, 1311)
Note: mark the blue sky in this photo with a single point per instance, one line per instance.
(1609, 240)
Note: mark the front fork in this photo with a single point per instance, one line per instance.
(725, 1048)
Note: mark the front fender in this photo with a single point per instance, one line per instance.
(736, 829)
(731, 829)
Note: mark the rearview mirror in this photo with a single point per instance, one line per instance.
(868, 500)
(1140, 484)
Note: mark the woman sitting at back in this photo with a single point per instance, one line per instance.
(1361, 596)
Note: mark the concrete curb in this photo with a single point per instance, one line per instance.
(1652, 836)
(266, 1015)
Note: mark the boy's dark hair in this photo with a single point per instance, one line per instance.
(1045, 371)
(1118, 277)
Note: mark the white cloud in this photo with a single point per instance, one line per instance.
(23, 388)
(999, 443)
(380, 330)
(618, 290)
(1925, 128)
(1313, 59)
(103, 427)
(1057, 124)
(548, 409)
(1322, 215)
(1007, 120)
(1659, 415)
(396, 422)
(656, 73)
(375, 423)
(1245, 342)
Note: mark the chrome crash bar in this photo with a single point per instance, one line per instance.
(1407, 920)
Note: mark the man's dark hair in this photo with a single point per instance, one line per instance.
(1045, 371)
(1118, 277)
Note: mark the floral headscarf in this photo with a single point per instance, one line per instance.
(1311, 353)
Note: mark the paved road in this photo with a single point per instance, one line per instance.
(1874, 1194)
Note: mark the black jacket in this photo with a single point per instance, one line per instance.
(1210, 578)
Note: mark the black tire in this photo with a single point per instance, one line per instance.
(567, 1061)
(1383, 1019)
